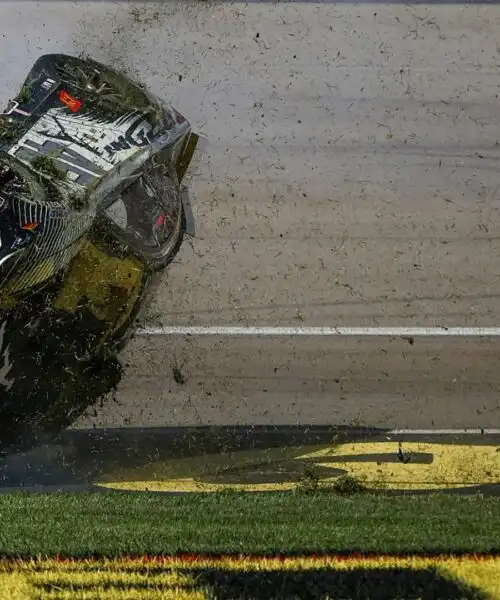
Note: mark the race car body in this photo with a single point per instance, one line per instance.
(81, 145)
(59, 348)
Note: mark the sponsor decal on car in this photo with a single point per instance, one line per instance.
(83, 145)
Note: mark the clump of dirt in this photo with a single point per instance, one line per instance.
(24, 95)
(108, 92)
(9, 128)
(345, 485)
(47, 166)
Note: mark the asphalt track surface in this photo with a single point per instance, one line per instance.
(348, 177)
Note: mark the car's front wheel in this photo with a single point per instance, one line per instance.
(149, 219)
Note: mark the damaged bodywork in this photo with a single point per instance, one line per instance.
(84, 146)
(91, 166)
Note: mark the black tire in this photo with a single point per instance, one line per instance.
(121, 245)
(159, 261)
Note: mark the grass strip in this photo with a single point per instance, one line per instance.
(248, 577)
(115, 523)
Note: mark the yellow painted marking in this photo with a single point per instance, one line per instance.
(209, 472)
(15, 586)
(423, 466)
(144, 579)
(452, 466)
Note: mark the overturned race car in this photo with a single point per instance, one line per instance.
(83, 147)
(91, 205)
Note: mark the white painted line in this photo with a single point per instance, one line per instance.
(324, 331)
(443, 432)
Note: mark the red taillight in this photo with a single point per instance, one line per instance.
(72, 103)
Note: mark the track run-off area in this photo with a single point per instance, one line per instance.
(344, 268)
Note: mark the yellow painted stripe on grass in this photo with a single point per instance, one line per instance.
(82, 580)
(150, 578)
(425, 466)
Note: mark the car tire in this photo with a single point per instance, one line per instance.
(159, 261)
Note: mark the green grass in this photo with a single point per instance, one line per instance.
(24, 95)
(114, 523)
